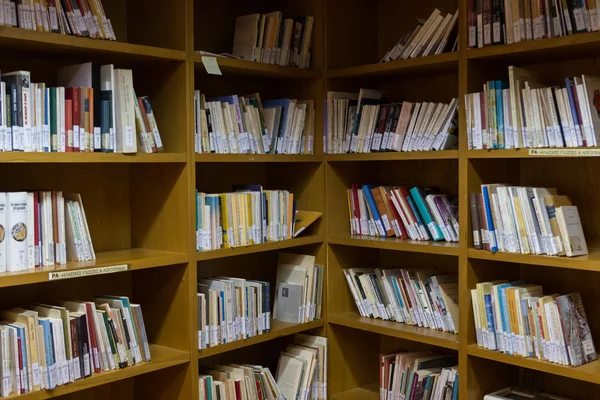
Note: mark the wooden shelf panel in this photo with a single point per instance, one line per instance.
(88, 158)
(367, 392)
(591, 262)
(258, 248)
(136, 258)
(524, 153)
(53, 43)
(256, 158)
(447, 62)
(395, 156)
(250, 68)
(278, 329)
(396, 329)
(581, 44)
(162, 357)
(588, 372)
(443, 248)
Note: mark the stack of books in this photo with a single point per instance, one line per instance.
(505, 21)
(437, 35)
(526, 220)
(248, 216)
(94, 109)
(415, 297)
(366, 123)
(301, 374)
(418, 375)
(299, 289)
(81, 18)
(41, 229)
(47, 346)
(525, 113)
(519, 319)
(419, 214)
(271, 39)
(246, 125)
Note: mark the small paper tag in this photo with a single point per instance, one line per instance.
(211, 65)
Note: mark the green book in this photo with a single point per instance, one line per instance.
(53, 121)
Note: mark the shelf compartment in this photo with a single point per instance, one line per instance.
(581, 44)
(136, 258)
(429, 247)
(278, 329)
(257, 158)
(162, 357)
(237, 67)
(591, 262)
(367, 392)
(53, 43)
(396, 329)
(524, 153)
(395, 156)
(447, 62)
(89, 158)
(587, 373)
(258, 248)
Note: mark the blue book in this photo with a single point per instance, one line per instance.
(266, 303)
(489, 313)
(418, 197)
(277, 137)
(422, 228)
(500, 114)
(570, 85)
(503, 319)
(506, 316)
(373, 209)
(398, 294)
(49, 349)
(222, 320)
(490, 221)
(455, 388)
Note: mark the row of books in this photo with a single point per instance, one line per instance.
(525, 113)
(299, 289)
(415, 297)
(301, 374)
(517, 318)
(246, 125)
(418, 375)
(271, 39)
(365, 123)
(418, 214)
(42, 229)
(507, 21)
(248, 216)
(47, 346)
(68, 17)
(526, 220)
(437, 35)
(93, 109)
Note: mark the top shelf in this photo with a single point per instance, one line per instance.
(447, 62)
(250, 68)
(44, 42)
(578, 45)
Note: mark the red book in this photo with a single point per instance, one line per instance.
(401, 195)
(357, 207)
(397, 219)
(36, 230)
(258, 391)
(21, 372)
(73, 95)
(69, 124)
(146, 122)
(238, 390)
(91, 317)
(55, 226)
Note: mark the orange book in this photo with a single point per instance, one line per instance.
(381, 203)
(69, 124)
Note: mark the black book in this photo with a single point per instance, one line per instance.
(85, 360)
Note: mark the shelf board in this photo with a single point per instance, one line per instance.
(587, 372)
(46, 42)
(257, 158)
(447, 62)
(278, 329)
(86, 158)
(136, 258)
(581, 44)
(396, 329)
(250, 68)
(367, 392)
(162, 357)
(524, 153)
(258, 248)
(395, 156)
(591, 262)
(443, 248)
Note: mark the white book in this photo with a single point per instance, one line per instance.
(17, 231)
(571, 231)
(125, 112)
(3, 232)
(30, 234)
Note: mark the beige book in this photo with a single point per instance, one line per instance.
(410, 132)
(245, 36)
(571, 231)
(29, 322)
(309, 356)
(284, 56)
(449, 29)
(517, 78)
(437, 34)
(261, 35)
(289, 374)
(416, 40)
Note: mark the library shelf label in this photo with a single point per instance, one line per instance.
(565, 152)
(109, 269)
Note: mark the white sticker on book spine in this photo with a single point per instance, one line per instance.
(129, 139)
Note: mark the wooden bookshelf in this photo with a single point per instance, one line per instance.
(394, 156)
(258, 158)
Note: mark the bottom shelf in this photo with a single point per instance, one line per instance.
(367, 392)
(278, 329)
(587, 372)
(162, 357)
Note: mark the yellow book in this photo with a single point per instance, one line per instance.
(251, 221)
(234, 221)
(242, 209)
(520, 221)
(224, 221)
